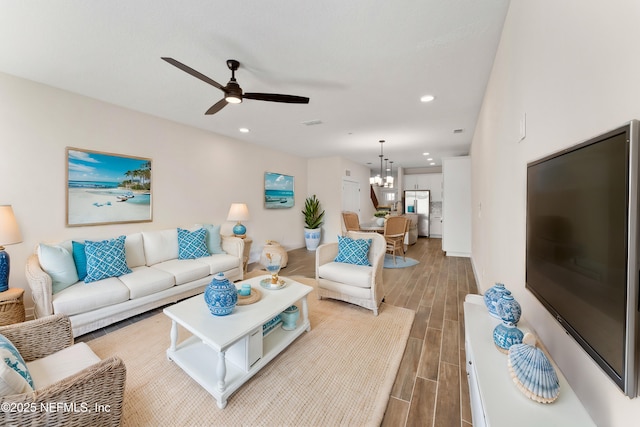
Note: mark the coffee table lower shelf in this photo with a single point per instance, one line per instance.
(202, 363)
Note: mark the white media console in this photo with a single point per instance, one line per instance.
(495, 399)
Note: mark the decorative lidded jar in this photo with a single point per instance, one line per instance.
(508, 308)
(491, 297)
(507, 334)
(221, 295)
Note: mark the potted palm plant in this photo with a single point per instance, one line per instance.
(312, 222)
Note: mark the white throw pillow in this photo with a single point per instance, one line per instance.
(14, 374)
(58, 263)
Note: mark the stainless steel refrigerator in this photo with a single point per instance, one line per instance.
(417, 202)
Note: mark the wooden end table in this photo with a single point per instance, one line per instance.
(12, 306)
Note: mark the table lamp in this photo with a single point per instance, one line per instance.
(238, 212)
(9, 234)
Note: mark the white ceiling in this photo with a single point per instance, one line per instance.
(363, 63)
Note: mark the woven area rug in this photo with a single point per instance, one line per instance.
(400, 263)
(339, 373)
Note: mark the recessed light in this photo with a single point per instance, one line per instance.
(425, 154)
(429, 159)
(427, 98)
(432, 163)
(244, 130)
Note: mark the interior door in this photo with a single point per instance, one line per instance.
(351, 196)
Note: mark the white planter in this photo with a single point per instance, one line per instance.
(312, 238)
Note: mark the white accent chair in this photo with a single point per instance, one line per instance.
(357, 284)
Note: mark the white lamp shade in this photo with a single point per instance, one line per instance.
(238, 212)
(9, 230)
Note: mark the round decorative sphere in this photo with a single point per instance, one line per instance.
(273, 247)
(221, 295)
(239, 230)
(504, 336)
(491, 297)
(508, 309)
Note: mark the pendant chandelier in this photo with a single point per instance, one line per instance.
(385, 177)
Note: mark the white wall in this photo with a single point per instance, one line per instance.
(573, 68)
(325, 177)
(196, 174)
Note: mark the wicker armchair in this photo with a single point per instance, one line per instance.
(355, 284)
(101, 384)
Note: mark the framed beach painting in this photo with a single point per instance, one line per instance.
(107, 188)
(278, 191)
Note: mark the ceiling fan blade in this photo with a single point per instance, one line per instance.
(194, 73)
(276, 97)
(217, 106)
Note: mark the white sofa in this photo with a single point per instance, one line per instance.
(157, 278)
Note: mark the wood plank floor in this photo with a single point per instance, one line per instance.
(431, 387)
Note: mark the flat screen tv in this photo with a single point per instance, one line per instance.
(582, 246)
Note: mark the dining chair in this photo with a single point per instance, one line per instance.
(351, 221)
(395, 228)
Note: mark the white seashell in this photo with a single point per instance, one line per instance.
(532, 371)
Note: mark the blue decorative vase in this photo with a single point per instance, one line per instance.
(221, 295)
(4, 270)
(508, 309)
(504, 336)
(491, 297)
(290, 318)
(239, 229)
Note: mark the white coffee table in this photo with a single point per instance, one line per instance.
(225, 351)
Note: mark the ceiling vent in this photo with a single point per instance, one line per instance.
(312, 122)
(457, 130)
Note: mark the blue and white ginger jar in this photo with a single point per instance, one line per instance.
(221, 295)
(508, 309)
(491, 297)
(504, 336)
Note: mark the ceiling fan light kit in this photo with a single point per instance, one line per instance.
(233, 93)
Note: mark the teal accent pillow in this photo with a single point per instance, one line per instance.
(213, 239)
(14, 374)
(191, 244)
(57, 262)
(80, 259)
(353, 251)
(105, 259)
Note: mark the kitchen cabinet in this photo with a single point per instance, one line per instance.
(425, 181)
(435, 226)
(456, 206)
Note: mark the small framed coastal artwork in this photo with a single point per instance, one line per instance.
(278, 191)
(106, 188)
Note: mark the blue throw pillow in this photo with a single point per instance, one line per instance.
(58, 263)
(191, 244)
(105, 259)
(214, 241)
(352, 251)
(15, 363)
(80, 259)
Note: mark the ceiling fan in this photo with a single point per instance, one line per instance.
(232, 91)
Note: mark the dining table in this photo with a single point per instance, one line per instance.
(372, 226)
